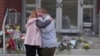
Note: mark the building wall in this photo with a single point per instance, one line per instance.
(98, 6)
(3, 4)
(16, 4)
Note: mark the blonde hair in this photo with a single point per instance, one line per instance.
(33, 14)
(43, 10)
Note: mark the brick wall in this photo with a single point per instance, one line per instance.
(98, 6)
(16, 4)
(3, 4)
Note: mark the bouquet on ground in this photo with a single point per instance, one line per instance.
(65, 43)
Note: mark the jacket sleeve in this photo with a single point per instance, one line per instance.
(42, 24)
(49, 28)
(29, 22)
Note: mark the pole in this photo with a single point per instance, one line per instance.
(15, 15)
(3, 28)
(99, 24)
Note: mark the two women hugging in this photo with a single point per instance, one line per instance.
(40, 34)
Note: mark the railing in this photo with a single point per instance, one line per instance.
(15, 12)
(3, 28)
(4, 23)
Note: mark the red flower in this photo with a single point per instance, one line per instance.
(7, 33)
(11, 44)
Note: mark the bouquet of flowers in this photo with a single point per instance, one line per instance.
(65, 44)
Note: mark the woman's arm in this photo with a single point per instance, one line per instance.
(49, 28)
(41, 24)
(30, 21)
(44, 21)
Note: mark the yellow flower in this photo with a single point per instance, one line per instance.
(17, 28)
(86, 46)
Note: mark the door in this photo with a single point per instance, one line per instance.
(67, 16)
(27, 7)
(72, 15)
(88, 15)
(50, 6)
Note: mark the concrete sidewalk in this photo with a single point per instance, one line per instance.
(74, 52)
(55, 55)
